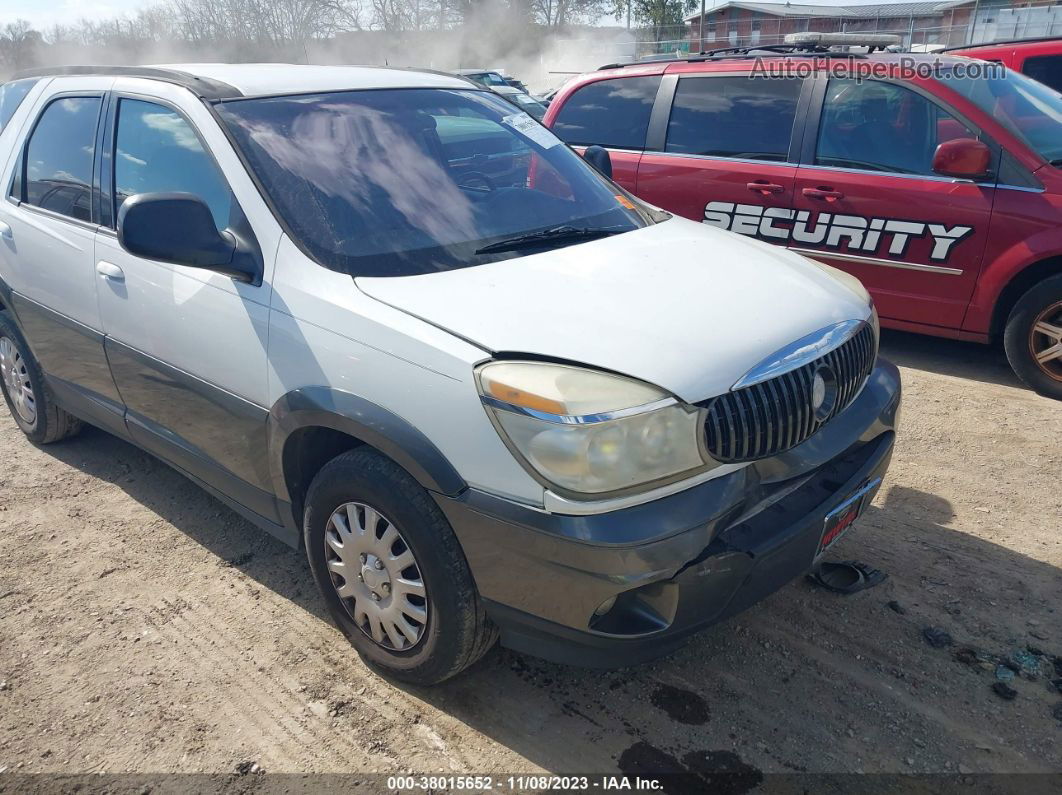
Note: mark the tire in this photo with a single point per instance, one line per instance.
(453, 630)
(28, 398)
(1035, 327)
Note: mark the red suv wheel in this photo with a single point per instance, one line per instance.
(1033, 337)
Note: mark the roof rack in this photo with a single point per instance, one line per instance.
(202, 87)
(799, 50)
(808, 43)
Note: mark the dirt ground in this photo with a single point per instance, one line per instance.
(146, 628)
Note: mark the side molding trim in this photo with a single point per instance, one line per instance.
(818, 254)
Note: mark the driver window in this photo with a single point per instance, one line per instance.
(875, 126)
(156, 150)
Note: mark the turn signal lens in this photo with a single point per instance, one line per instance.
(561, 389)
(528, 400)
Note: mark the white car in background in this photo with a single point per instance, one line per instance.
(520, 403)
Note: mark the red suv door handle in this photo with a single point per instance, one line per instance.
(764, 188)
(823, 193)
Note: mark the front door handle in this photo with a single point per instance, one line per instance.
(827, 194)
(764, 188)
(5, 231)
(109, 270)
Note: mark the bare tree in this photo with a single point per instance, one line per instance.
(244, 30)
(562, 13)
(392, 15)
(19, 43)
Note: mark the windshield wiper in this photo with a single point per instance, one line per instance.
(556, 234)
(1057, 163)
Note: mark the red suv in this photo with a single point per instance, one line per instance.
(1040, 59)
(935, 180)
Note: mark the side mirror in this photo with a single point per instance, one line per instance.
(177, 228)
(599, 158)
(964, 158)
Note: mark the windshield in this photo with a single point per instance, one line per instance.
(408, 181)
(1029, 109)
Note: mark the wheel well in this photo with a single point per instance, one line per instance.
(306, 451)
(1018, 286)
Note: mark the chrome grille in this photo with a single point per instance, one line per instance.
(770, 417)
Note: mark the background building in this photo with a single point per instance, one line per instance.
(921, 25)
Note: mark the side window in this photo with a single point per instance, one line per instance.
(157, 151)
(1045, 68)
(59, 155)
(742, 117)
(876, 126)
(11, 96)
(608, 113)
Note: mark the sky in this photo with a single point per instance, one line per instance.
(45, 13)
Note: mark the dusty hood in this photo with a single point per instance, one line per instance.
(681, 305)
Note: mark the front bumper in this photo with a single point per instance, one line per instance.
(674, 565)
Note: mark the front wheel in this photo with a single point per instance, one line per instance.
(391, 571)
(1033, 337)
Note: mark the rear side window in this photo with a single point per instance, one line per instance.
(742, 117)
(874, 126)
(157, 151)
(608, 113)
(59, 157)
(1045, 68)
(11, 96)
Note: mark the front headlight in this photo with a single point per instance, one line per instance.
(589, 432)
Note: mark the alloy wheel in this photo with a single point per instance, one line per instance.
(376, 576)
(1045, 341)
(16, 378)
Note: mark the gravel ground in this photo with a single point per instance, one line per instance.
(146, 628)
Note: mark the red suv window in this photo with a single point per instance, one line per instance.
(611, 113)
(733, 117)
(875, 126)
(1045, 68)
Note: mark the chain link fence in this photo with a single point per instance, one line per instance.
(992, 22)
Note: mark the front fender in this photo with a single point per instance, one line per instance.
(364, 420)
(1002, 270)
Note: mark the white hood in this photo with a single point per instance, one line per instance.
(681, 305)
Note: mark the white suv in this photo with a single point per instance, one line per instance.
(387, 317)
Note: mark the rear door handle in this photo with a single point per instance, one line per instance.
(110, 271)
(763, 187)
(827, 194)
(5, 231)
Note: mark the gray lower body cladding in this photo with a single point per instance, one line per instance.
(677, 564)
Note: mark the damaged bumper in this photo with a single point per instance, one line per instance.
(677, 564)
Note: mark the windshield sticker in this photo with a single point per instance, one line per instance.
(530, 128)
(865, 235)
